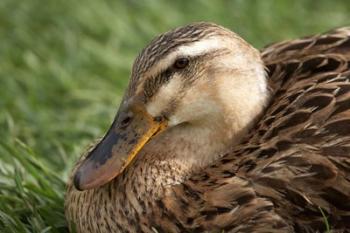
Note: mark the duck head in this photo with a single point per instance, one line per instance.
(192, 81)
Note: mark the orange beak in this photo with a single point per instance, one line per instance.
(125, 138)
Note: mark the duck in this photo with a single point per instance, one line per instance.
(213, 135)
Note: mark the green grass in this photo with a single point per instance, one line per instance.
(63, 68)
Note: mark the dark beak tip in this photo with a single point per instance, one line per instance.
(76, 181)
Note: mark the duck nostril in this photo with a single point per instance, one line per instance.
(158, 118)
(125, 122)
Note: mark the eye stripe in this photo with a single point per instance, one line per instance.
(152, 84)
(189, 40)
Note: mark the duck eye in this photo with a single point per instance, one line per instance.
(181, 63)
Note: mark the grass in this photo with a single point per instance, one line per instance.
(64, 65)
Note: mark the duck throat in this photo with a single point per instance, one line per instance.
(187, 148)
(175, 155)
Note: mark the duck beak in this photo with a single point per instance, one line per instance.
(124, 139)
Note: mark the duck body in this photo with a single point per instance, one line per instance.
(288, 173)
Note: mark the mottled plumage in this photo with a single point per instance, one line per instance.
(162, 45)
(293, 164)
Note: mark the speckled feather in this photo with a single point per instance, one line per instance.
(165, 43)
(294, 162)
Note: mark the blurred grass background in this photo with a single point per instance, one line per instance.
(63, 68)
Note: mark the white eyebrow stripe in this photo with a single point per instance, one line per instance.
(191, 50)
(200, 47)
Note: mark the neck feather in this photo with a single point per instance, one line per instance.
(184, 149)
(175, 155)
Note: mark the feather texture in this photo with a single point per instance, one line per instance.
(293, 166)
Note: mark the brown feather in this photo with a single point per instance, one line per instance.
(294, 162)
